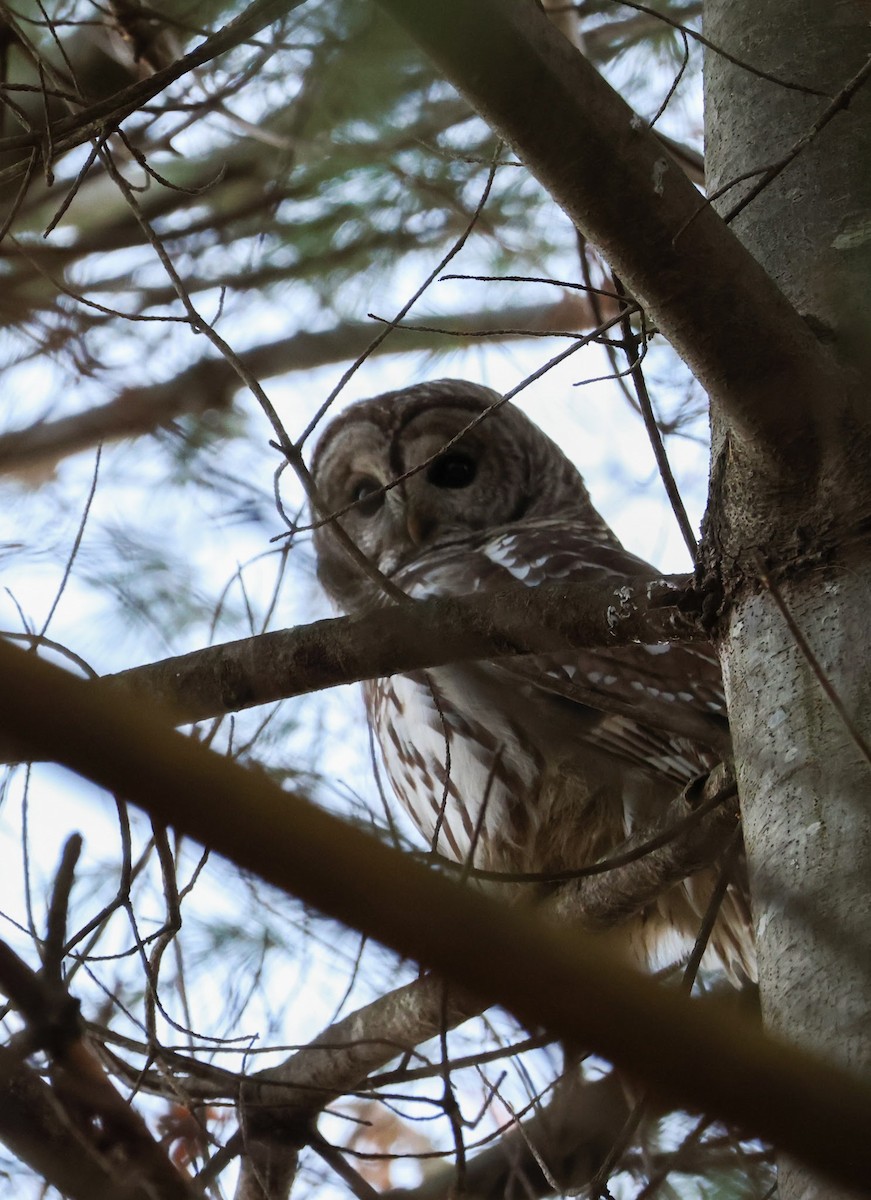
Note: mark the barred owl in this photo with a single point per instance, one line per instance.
(517, 765)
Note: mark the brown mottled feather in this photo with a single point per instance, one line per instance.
(519, 765)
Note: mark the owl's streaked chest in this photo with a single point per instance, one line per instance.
(477, 782)
(458, 766)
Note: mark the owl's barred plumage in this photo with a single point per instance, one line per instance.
(517, 765)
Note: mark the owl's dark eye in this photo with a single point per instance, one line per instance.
(367, 496)
(452, 470)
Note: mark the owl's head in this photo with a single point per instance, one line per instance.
(421, 467)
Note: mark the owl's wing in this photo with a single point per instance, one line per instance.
(658, 707)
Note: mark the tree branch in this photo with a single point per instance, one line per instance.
(422, 633)
(748, 347)
(38, 1129)
(212, 383)
(695, 828)
(569, 983)
(570, 1138)
(83, 1098)
(72, 131)
(280, 1105)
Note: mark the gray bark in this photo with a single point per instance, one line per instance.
(792, 560)
(807, 822)
(809, 228)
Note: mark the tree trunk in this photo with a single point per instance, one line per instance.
(792, 555)
(807, 822)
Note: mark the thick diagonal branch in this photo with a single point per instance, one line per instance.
(569, 984)
(748, 347)
(280, 1105)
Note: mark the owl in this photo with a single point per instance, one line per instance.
(517, 765)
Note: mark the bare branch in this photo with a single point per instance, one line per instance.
(688, 845)
(72, 131)
(423, 633)
(762, 365)
(212, 383)
(91, 1102)
(38, 1129)
(570, 1137)
(569, 984)
(280, 1105)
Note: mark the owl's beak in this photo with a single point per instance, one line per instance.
(419, 525)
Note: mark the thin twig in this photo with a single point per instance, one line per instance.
(840, 101)
(631, 345)
(337, 1162)
(77, 541)
(633, 853)
(58, 910)
(454, 250)
(688, 31)
(709, 919)
(815, 665)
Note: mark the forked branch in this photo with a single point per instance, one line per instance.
(745, 343)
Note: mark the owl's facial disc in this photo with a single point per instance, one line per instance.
(405, 475)
(454, 486)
